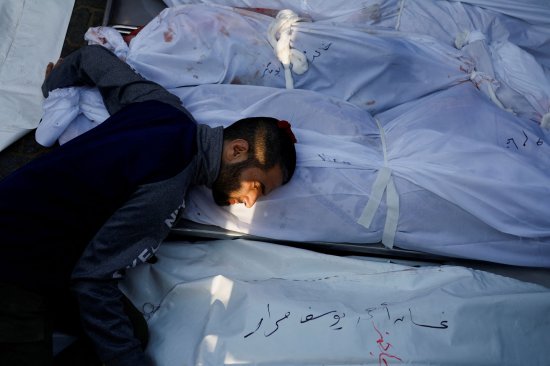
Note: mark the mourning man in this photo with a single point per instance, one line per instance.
(80, 215)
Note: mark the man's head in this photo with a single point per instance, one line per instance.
(258, 156)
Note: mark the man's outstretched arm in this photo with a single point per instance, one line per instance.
(118, 84)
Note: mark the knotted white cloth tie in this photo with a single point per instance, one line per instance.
(383, 183)
(281, 28)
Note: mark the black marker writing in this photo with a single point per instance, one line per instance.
(310, 317)
(255, 330)
(277, 324)
(512, 141)
(315, 56)
(443, 324)
(270, 69)
(385, 305)
(337, 318)
(399, 320)
(318, 52)
(326, 47)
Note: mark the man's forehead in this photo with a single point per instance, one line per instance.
(275, 177)
(271, 178)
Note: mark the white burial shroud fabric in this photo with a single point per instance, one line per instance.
(380, 69)
(525, 23)
(371, 67)
(375, 69)
(472, 180)
(240, 302)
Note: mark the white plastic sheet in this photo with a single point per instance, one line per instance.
(240, 302)
(31, 35)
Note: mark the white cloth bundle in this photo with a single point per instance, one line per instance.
(472, 180)
(69, 113)
(510, 76)
(525, 23)
(531, 11)
(252, 303)
(499, 21)
(195, 45)
(375, 69)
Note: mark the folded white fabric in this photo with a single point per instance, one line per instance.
(68, 113)
(60, 109)
(250, 303)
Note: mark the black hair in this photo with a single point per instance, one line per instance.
(268, 144)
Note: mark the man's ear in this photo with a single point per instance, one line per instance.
(235, 151)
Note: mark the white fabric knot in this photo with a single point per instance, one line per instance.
(467, 37)
(109, 38)
(278, 34)
(481, 79)
(545, 121)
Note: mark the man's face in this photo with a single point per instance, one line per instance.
(240, 183)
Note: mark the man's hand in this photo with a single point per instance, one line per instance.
(50, 67)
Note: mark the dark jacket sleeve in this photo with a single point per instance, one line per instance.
(118, 84)
(130, 237)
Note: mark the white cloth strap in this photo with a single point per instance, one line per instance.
(545, 121)
(392, 214)
(378, 187)
(398, 23)
(383, 183)
(281, 28)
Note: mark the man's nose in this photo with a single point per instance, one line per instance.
(250, 199)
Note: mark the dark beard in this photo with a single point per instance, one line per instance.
(228, 181)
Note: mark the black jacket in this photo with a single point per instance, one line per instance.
(80, 215)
